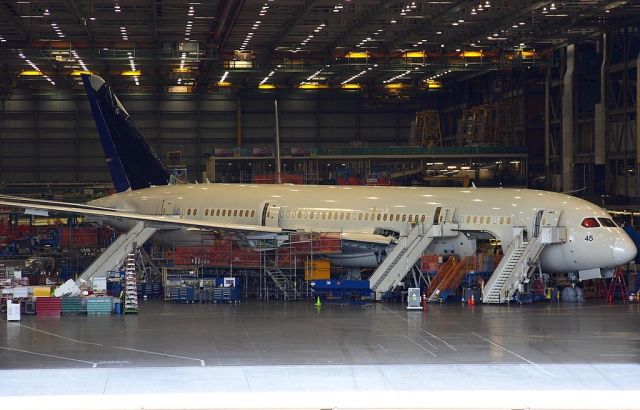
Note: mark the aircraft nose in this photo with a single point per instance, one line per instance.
(624, 250)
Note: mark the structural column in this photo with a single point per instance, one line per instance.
(567, 120)
(600, 121)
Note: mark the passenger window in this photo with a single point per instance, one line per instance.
(310, 215)
(360, 216)
(468, 219)
(217, 212)
(501, 220)
(475, 219)
(195, 212)
(341, 215)
(253, 213)
(384, 217)
(607, 222)
(590, 223)
(324, 215)
(224, 212)
(235, 212)
(423, 218)
(228, 212)
(366, 216)
(373, 215)
(379, 216)
(417, 218)
(508, 220)
(482, 219)
(348, 215)
(206, 212)
(391, 217)
(189, 211)
(410, 218)
(397, 217)
(404, 217)
(488, 219)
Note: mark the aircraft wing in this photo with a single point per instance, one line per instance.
(367, 238)
(159, 221)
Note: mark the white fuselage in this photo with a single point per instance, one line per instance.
(361, 210)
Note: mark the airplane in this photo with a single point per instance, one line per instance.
(370, 219)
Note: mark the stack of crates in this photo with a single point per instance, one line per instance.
(131, 288)
(73, 305)
(99, 305)
(48, 306)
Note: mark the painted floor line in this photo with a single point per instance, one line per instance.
(430, 334)
(513, 353)
(420, 346)
(202, 362)
(93, 364)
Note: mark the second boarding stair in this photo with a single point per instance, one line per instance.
(522, 258)
(281, 280)
(449, 276)
(409, 249)
(113, 257)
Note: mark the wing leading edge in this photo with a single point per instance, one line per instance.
(161, 221)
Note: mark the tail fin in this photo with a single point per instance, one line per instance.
(132, 162)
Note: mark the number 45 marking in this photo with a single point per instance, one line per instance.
(588, 238)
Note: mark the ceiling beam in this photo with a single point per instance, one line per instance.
(83, 20)
(366, 18)
(12, 18)
(448, 13)
(298, 16)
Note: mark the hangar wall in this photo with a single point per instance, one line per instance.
(52, 138)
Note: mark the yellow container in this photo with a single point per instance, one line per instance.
(41, 291)
(317, 270)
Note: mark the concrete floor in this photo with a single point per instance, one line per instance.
(261, 347)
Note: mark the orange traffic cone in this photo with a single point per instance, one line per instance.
(472, 301)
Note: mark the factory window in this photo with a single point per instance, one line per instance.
(590, 223)
(501, 220)
(607, 223)
(253, 213)
(508, 220)
(404, 217)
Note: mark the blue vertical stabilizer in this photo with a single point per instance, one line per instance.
(132, 162)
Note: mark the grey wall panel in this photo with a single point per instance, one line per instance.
(62, 128)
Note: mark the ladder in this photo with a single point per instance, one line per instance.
(522, 258)
(407, 252)
(131, 285)
(113, 257)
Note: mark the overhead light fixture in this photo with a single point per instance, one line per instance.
(131, 73)
(76, 73)
(31, 73)
(266, 86)
(352, 86)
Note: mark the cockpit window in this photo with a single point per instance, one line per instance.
(590, 223)
(607, 222)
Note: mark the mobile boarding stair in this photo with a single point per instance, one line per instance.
(522, 257)
(113, 257)
(409, 249)
(449, 276)
(281, 280)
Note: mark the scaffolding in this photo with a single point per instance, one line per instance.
(426, 130)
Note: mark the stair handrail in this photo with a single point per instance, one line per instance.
(441, 274)
(516, 243)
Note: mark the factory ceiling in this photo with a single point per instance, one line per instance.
(150, 46)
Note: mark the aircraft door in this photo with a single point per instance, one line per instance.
(536, 223)
(168, 208)
(436, 215)
(270, 215)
